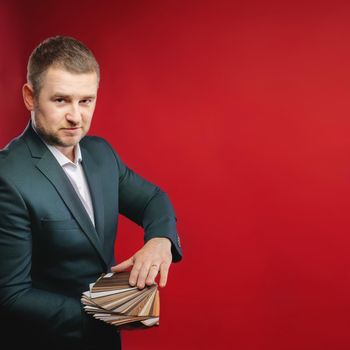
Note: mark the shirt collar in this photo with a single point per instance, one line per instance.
(62, 159)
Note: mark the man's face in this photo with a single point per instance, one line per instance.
(63, 110)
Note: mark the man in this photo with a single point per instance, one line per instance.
(60, 195)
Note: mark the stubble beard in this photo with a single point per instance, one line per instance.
(53, 139)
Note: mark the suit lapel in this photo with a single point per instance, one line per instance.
(48, 165)
(91, 171)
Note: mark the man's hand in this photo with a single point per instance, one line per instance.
(155, 256)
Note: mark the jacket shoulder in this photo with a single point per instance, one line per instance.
(13, 155)
(99, 148)
(96, 144)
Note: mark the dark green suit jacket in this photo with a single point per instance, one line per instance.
(49, 249)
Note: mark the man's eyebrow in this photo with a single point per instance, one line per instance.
(83, 97)
(58, 94)
(88, 97)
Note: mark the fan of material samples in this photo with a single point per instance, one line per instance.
(113, 300)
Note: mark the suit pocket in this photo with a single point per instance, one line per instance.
(56, 225)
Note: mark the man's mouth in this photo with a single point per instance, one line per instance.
(75, 128)
(72, 131)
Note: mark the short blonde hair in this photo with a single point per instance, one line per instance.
(63, 52)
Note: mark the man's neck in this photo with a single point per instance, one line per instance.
(69, 152)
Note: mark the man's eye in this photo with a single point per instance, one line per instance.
(86, 102)
(59, 100)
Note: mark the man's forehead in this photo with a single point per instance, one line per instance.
(60, 81)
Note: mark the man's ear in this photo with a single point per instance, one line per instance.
(28, 96)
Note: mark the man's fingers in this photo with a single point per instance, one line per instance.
(139, 275)
(124, 265)
(134, 274)
(152, 274)
(152, 258)
(142, 275)
(164, 269)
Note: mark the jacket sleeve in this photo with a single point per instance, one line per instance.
(148, 206)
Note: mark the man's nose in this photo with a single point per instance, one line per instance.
(73, 115)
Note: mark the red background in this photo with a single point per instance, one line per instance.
(240, 111)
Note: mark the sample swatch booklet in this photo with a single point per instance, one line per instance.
(113, 300)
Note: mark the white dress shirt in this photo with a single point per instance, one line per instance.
(75, 172)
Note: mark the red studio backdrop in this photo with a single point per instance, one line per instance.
(240, 111)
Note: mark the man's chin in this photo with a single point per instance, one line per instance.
(66, 142)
